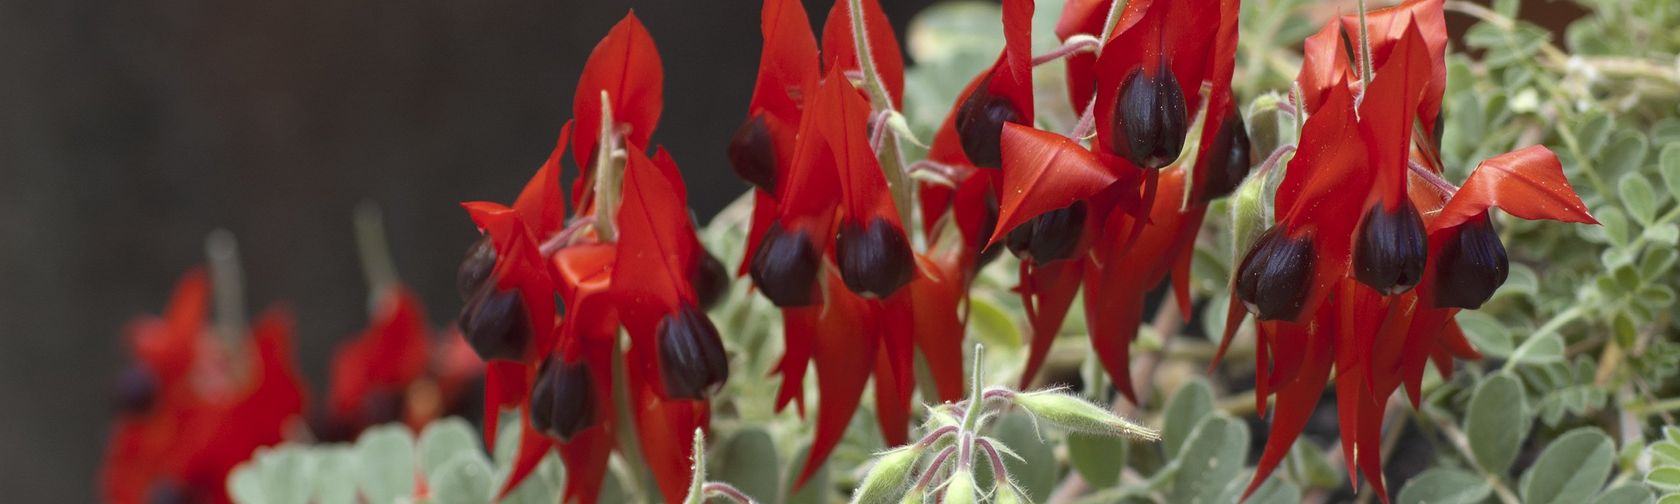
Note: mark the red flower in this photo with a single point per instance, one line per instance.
(1363, 218)
(396, 371)
(630, 258)
(1149, 84)
(186, 419)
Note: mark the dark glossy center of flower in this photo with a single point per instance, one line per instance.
(980, 123)
(495, 325)
(563, 399)
(476, 267)
(1231, 158)
(1150, 118)
(1391, 249)
(1049, 237)
(785, 267)
(691, 358)
(875, 260)
(1275, 276)
(1472, 265)
(752, 152)
(709, 278)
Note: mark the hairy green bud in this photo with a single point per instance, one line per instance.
(887, 480)
(1075, 414)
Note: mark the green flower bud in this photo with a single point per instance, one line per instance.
(960, 488)
(1248, 217)
(887, 480)
(1074, 414)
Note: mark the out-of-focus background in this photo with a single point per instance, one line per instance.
(129, 130)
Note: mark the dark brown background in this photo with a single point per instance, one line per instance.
(129, 129)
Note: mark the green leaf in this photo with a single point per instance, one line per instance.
(1665, 453)
(1098, 458)
(1614, 223)
(1443, 485)
(1664, 479)
(1307, 464)
(1669, 164)
(386, 458)
(1673, 498)
(992, 325)
(1035, 471)
(1209, 461)
(1666, 234)
(443, 439)
(1637, 196)
(817, 489)
(1496, 423)
(1626, 493)
(1184, 412)
(335, 475)
(1594, 132)
(1571, 469)
(1539, 350)
(1273, 491)
(1626, 155)
(465, 478)
(742, 461)
(1487, 333)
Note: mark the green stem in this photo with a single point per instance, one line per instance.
(892, 163)
(374, 251)
(624, 426)
(1366, 67)
(227, 285)
(609, 172)
(975, 397)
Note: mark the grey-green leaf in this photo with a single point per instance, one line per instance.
(1098, 458)
(1444, 486)
(386, 458)
(465, 478)
(1497, 423)
(443, 439)
(1209, 461)
(1669, 164)
(1184, 411)
(1571, 470)
(1637, 196)
(1626, 493)
(1035, 471)
(742, 461)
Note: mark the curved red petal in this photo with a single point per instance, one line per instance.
(1387, 26)
(533, 446)
(542, 205)
(655, 241)
(1527, 183)
(1044, 171)
(1387, 113)
(1296, 399)
(1324, 63)
(625, 66)
(840, 52)
(939, 296)
(1047, 290)
(787, 61)
(844, 352)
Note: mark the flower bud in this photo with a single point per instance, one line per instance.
(1049, 237)
(1275, 275)
(691, 358)
(888, 478)
(1230, 158)
(979, 124)
(563, 398)
(1391, 249)
(709, 279)
(476, 267)
(875, 260)
(136, 390)
(495, 325)
(1076, 415)
(1472, 265)
(960, 488)
(752, 152)
(785, 267)
(1150, 118)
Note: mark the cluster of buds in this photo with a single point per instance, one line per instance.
(626, 257)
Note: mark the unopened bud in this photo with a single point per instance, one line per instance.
(960, 488)
(888, 478)
(1076, 415)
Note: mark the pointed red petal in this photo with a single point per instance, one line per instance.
(533, 446)
(844, 353)
(1527, 183)
(586, 458)
(655, 241)
(787, 61)
(799, 333)
(506, 384)
(664, 427)
(625, 66)
(1048, 291)
(1324, 63)
(1296, 400)
(1388, 111)
(938, 296)
(843, 118)
(840, 52)
(1044, 171)
(1387, 27)
(542, 204)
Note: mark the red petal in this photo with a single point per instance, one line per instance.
(799, 333)
(843, 118)
(541, 204)
(787, 61)
(1047, 291)
(664, 427)
(1044, 171)
(655, 242)
(1296, 399)
(533, 446)
(1388, 111)
(1183, 33)
(840, 52)
(506, 384)
(170, 346)
(586, 458)
(1324, 63)
(938, 296)
(844, 354)
(1387, 27)
(389, 355)
(625, 65)
(1527, 183)
(519, 265)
